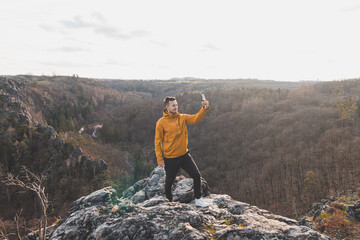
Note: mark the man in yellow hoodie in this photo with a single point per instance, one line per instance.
(171, 141)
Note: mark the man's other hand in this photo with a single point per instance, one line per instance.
(205, 104)
(162, 164)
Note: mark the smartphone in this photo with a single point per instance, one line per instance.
(203, 97)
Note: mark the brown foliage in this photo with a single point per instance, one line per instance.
(334, 223)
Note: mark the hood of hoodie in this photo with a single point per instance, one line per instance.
(175, 116)
(170, 115)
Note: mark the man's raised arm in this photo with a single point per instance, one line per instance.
(195, 118)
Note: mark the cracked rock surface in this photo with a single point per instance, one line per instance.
(101, 215)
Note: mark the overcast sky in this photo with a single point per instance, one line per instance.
(161, 39)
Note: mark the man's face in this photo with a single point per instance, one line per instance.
(172, 107)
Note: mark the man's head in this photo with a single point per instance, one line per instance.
(170, 104)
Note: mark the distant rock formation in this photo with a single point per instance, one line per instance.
(96, 127)
(338, 217)
(13, 110)
(144, 213)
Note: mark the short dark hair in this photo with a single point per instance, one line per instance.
(167, 100)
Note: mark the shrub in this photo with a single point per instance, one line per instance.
(334, 223)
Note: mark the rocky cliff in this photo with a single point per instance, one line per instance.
(26, 139)
(144, 213)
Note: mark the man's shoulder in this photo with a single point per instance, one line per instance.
(160, 120)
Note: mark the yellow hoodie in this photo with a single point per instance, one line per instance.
(171, 135)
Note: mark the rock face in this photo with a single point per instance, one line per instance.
(338, 217)
(12, 106)
(26, 139)
(15, 111)
(144, 213)
(349, 202)
(154, 186)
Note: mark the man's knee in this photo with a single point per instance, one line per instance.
(195, 175)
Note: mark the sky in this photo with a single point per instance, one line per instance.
(284, 40)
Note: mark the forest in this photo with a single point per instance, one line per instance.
(175, 86)
(279, 148)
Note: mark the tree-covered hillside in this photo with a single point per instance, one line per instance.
(276, 148)
(280, 149)
(73, 164)
(157, 88)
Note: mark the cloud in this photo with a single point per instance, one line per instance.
(69, 49)
(76, 23)
(111, 62)
(210, 47)
(102, 27)
(53, 29)
(161, 44)
(139, 33)
(351, 9)
(98, 16)
(48, 28)
(115, 62)
(63, 63)
(164, 67)
(111, 32)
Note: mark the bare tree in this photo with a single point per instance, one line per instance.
(17, 221)
(33, 183)
(3, 233)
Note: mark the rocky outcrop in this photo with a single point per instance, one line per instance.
(154, 186)
(26, 141)
(144, 213)
(58, 150)
(338, 216)
(349, 202)
(13, 110)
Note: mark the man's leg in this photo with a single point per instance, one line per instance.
(190, 167)
(171, 169)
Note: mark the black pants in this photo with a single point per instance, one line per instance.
(172, 166)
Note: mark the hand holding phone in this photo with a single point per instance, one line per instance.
(204, 102)
(203, 97)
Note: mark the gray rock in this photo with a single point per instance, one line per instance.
(153, 201)
(92, 217)
(156, 182)
(102, 164)
(155, 185)
(11, 93)
(353, 210)
(131, 191)
(100, 197)
(138, 197)
(184, 191)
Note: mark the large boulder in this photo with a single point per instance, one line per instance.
(155, 185)
(101, 215)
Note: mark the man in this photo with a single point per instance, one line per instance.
(171, 141)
